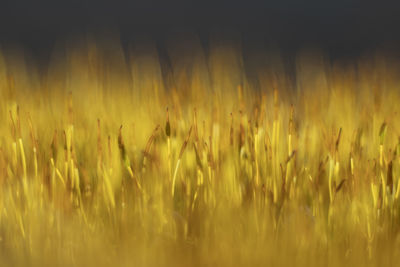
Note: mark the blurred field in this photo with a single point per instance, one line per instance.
(198, 155)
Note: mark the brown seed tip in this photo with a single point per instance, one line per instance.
(168, 126)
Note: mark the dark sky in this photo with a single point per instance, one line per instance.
(340, 26)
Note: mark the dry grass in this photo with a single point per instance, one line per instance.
(136, 167)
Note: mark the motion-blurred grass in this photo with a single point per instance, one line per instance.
(197, 156)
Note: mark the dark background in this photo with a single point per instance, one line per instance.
(343, 28)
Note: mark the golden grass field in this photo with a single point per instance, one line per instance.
(109, 159)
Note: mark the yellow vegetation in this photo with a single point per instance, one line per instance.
(107, 160)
